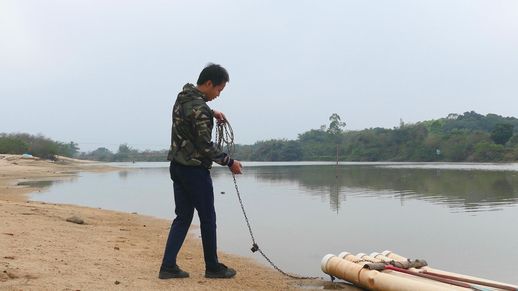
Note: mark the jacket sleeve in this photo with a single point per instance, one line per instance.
(203, 123)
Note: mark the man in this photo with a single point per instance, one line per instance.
(191, 155)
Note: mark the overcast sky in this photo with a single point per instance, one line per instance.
(102, 73)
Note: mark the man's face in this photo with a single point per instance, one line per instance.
(214, 91)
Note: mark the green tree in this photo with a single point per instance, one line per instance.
(12, 145)
(513, 141)
(37, 145)
(314, 136)
(101, 154)
(69, 150)
(487, 152)
(277, 150)
(124, 153)
(502, 133)
(336, 125)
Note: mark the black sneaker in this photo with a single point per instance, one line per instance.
(223, 272)
(169, 273)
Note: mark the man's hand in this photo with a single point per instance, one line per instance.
(220, 117)
(236, 167)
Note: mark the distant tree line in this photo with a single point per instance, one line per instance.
(46, 148)
(125, 153)
(468, 137)
(36, 145)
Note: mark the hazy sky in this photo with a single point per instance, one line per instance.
(102, 73)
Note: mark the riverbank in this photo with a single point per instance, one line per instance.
(43, 250)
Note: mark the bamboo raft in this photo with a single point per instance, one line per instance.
(388, 271)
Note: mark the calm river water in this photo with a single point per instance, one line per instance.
(459, 217)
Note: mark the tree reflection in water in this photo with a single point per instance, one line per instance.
(465, 190)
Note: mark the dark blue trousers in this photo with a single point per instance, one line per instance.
(192, 190)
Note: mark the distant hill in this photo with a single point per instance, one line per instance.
(471, 121)
(468, 137)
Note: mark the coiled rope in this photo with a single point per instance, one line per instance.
(225, 142)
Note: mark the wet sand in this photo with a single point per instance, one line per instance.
(41, 250)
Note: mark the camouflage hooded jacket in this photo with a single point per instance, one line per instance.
(191, 131)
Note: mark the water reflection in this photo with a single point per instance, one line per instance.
(36, 184)
(45, 184)
(475, 190)
(123, 174)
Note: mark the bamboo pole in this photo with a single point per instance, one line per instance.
(375, 280)
(388, 255)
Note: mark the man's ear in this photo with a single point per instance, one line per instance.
(208, 83)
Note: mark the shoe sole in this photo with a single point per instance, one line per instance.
(219, 276)
(169, 276)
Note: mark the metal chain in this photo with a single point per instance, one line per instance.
(225, 138)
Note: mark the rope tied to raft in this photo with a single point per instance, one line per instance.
(225, 141)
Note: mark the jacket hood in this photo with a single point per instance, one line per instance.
(190, 92)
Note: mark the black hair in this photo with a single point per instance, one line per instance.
(214, 73)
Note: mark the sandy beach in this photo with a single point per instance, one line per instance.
(41, 250)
